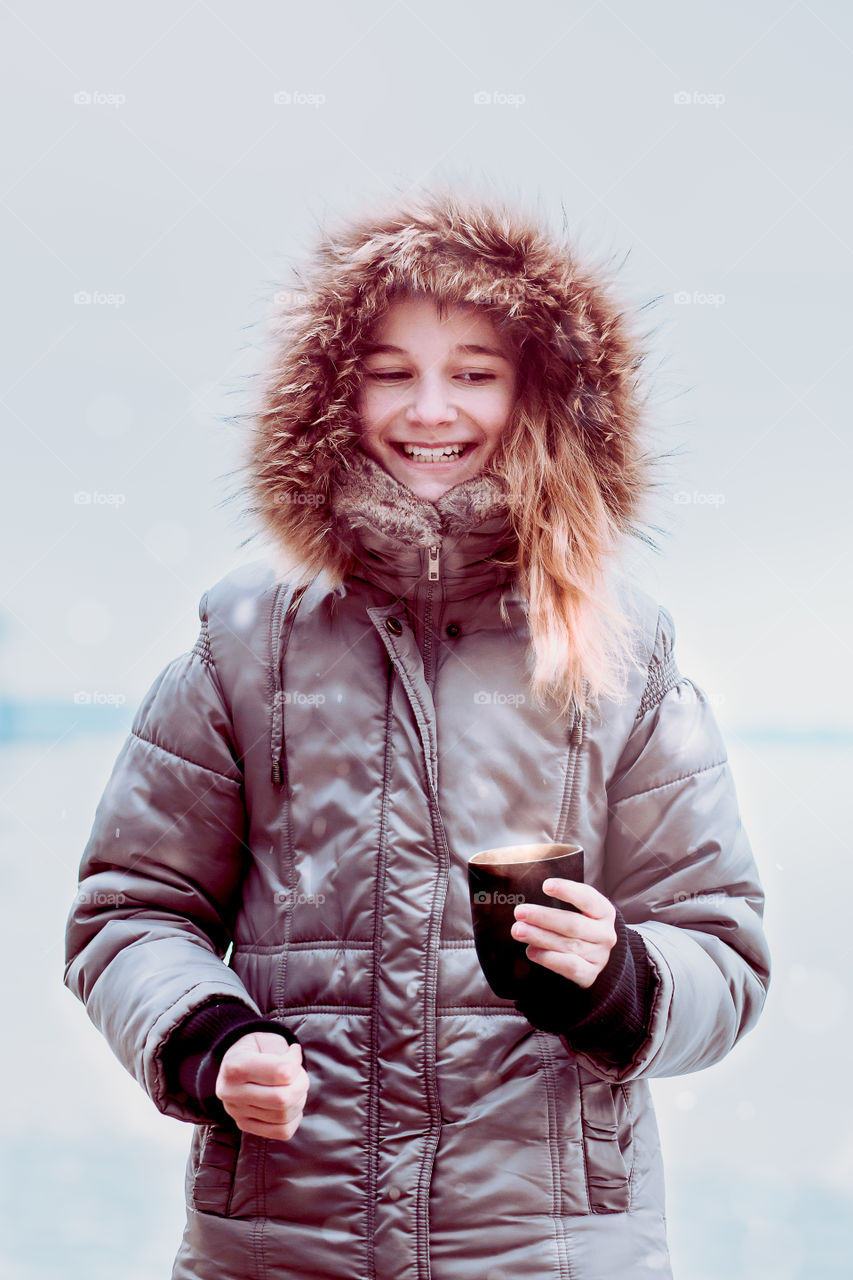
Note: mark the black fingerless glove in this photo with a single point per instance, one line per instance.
(610, 1018)
(194, 1051)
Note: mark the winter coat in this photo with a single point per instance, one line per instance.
(289, 822)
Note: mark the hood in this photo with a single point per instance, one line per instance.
(577, 360)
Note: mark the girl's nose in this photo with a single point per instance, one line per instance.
(430, 404)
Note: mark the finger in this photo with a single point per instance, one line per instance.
(264, 1097)
(266, 1115)
(275, 1132)
(574, 967)
(549, 941)
(591, 902)
(561, 924)
(272, 1042)
(249, 1067)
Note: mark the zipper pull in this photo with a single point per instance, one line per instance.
(432, 571)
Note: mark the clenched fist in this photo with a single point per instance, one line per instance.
(263, 1085)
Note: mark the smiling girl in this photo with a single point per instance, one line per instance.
(273, 929)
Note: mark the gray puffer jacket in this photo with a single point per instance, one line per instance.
(289, 823)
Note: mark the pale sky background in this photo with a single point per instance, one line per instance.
(183, 192)
(148, 165)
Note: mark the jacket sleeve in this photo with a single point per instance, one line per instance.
(161, 874)
(679, 865)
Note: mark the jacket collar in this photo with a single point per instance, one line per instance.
(401, 541)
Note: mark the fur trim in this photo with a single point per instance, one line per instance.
(558, 313)
(369, 497)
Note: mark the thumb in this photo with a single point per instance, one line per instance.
(272, 1042)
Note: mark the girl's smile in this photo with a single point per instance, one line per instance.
(436, 394)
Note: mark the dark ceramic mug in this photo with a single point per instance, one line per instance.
(499, 879)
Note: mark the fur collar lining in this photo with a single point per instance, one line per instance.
(368, 496)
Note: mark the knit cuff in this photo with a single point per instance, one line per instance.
(194, 1051)
(611, 1017)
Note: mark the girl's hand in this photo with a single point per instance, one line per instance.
(263, 1085)
(576, 946)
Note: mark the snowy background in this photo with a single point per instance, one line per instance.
(164, 169)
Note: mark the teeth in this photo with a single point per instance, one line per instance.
(433, 455)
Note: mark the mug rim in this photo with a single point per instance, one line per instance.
(521, 854)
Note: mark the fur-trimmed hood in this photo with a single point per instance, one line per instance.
(306, 471)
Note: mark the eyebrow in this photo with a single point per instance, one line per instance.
(468, 348)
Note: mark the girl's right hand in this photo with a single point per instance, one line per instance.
(263, 1085)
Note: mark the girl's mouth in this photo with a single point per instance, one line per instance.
(441, 455)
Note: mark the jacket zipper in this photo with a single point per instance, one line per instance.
(431, 977)
(433, 575)
(431, 980)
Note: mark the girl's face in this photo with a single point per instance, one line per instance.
(431, 385)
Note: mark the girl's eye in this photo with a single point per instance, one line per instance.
(391, 375)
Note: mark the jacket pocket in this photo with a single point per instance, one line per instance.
(608, 1143)
(213, 1183)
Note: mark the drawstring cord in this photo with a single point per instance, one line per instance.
(281, 624)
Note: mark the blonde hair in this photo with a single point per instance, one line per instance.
(582, 643)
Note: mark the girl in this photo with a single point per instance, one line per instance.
(273, 929)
